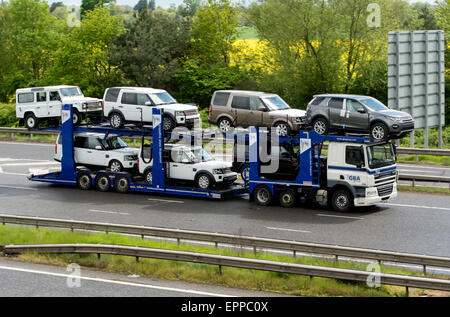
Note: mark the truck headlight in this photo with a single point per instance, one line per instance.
(130, 157)
(218, 171)
(371, 191)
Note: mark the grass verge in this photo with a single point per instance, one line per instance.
(198, 273)
(424, 189)
(428, 159)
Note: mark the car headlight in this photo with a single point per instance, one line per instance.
(396, 119)
(179, 113)
(218, 171)
(130, 157)
(371, 192)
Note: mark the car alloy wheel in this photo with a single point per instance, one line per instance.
(168, 124)
(224, 125)
(149, 177)
(75, 118)
(115, 166)
(116, 121)
(31, 122)
(203, 181)
(282, 129)
(378, 132)
(320, 127)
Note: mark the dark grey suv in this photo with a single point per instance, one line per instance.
(354, 113)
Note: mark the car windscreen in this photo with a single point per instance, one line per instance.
(113, 143)
(70, 92)
(276, 103)
(162, 98)
(373, 104)
(380, 155)
(201, 155)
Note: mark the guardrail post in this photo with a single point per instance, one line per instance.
(407, 291)
(12, 135)
(424, 269)
(98, 256)
(137, 259)
(220, 269)
(254, 250)
(295, 253)
(142, 236)
(413, 182)
(31, 136)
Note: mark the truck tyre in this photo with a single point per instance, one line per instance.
(84, 180)
(203, 181)
(342, 200)
(168, 124)
(148, 176)
(76, 117)
(31, 122)
(282, 128)
(116, 120)
(225, 125)
(262, 195)
(115, 166)
(379, 131)
(321, 126)
(122, 184)
(287, 198)
(102, 182)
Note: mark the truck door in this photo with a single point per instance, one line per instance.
(357, 117)
(337, 113)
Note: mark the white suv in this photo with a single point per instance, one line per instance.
(34, 105)
(94, 150)
(134, 105)
(192, 164)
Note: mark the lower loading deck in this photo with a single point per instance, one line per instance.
(135, 184)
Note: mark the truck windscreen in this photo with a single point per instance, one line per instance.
(381, 155)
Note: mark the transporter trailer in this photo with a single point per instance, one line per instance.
(355, 172)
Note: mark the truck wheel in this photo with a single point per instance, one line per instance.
(262, 195)
(148, 176)
(116, 120)
(102, 182)
(203, 181)
(287, 198)
(76, 117)
(84, 180)
(168, 124)
(320, 126)
(282, 129)
(115, 166)
(342, 200)
(379, 131)
(122, 184)
(225, 125)
(31, 122)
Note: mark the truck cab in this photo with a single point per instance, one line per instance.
(367, 172)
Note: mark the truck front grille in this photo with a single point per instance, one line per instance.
(384, 190)
(385, 177)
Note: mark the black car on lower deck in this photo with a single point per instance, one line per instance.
(355, 113)
(288, 162)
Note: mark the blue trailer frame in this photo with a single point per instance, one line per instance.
(69, 174)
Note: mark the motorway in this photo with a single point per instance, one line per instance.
(35, 280)
(416, 223)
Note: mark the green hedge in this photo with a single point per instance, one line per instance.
(8, 115)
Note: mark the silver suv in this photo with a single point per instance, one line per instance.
(354, 113)
(234, 108)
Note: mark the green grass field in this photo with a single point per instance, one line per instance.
(199, 273)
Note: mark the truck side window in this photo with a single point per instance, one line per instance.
(354, 156)
(240, 103)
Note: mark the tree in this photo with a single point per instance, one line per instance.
(152, 4)
(142, 4)
(214, 28)
(81, 58)
(89, 5)
(151, 49)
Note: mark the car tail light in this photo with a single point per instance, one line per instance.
(103, 106)
(138, 163)
(210, 109)
(56, 148)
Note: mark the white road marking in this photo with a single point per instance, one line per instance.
(419, 171)
(166, 200)
(25, 143)
(18, 187)
(8, 159)
(416, 206)
(9, 173)
(337, 216)
(109, 212)
(102, 280)
(420, 166)
(284, 229)
(32, 163)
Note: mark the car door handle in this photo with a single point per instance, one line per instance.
(89, 151)
(120, 106)
(175, 165)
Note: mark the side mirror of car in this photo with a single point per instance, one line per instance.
(98, 147)
(185, 161)
(148, 103)
(361, 110)
(262, 108)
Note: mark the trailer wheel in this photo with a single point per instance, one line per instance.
(262, 195)
(122, 184)
(84, 180)
(102, 182)
(342, 200)
(287, 198)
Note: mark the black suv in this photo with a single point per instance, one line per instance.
(354, 113)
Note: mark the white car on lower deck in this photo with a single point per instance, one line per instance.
(192, 164)
(100, 152)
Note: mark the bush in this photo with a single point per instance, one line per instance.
(8, 115)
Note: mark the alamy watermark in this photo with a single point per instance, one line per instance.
(374, 18)
(73, 16)
(374, 278)
(74, 278)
